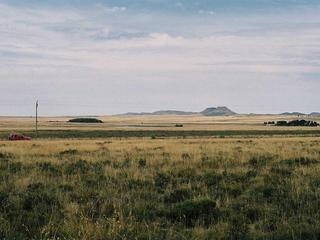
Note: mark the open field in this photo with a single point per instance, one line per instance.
(191, 122)
(215, 178)
(157, 126)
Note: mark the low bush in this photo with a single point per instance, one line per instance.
(162, 180)
(32, 210)
(69, 152)
(298, 123)
(85, 120)
(190, 211)
(301, 161)
(212, 179)
(78, 167)
(142, 163)
(5, 156)
(177, 195)
(49, 169)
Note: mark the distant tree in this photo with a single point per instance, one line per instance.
(85, 120)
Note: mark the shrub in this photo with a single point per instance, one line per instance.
(5, 156)
(238, 228)
(300, 161)
(4, 197)
(234, 190)
(49, 169)
(142, 163)
(253, 214)
(98, 167)
(78, 167)
(144, 211)
(295, 123)
(15, 167)
(10, 167)
(66, 187)
(94, 180)
(185, 175)
(282, 123)
(251, 174)
(39, 206)
(139, 184)
(119, 165)
(162, 180)
(190, 211)
(185, 156)
(177, 195)
(204, 157)
(85, 120)
(260, 161)
(283, 172)
(100, 208)
(69, 152)
(212, 179)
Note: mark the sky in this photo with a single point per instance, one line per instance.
(101, 57)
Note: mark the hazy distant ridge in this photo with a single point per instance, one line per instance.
(219, 111)
(292, 113)
(300, 114)
(212, 111)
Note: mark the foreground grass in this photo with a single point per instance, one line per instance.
(161, 189)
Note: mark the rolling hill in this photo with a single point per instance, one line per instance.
(212, 111)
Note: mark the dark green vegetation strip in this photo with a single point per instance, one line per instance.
(158, 133)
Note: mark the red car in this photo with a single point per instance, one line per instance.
(18, 137)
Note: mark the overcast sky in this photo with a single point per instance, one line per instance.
(93, 57)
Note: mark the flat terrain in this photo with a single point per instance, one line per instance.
(158, 126)
(191, 122)
(196, 182)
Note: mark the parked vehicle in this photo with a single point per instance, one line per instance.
(18, 137)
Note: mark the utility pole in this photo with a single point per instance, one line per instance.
(37, 104)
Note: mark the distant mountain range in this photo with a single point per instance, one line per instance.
(300, 114)
(162, 112)
(212, 111)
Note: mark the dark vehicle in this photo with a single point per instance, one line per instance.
(18, 137)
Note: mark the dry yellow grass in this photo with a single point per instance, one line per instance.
(283, 147)
(160, 188)
(196, 122)
(129, 188)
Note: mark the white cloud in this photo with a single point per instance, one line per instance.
(72, 44)
(107, 9)
(69, 38)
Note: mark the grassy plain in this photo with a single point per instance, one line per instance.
(157, 126)
(191, 123)
(191, 187)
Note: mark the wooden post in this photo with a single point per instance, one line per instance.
(37, 104)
